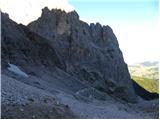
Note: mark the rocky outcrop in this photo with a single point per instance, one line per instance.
(31, 95)
(88, 52)
(22, 47)
(34, 55)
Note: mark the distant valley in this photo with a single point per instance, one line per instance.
(146, 74)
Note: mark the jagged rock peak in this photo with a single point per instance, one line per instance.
(88, 52)
(4, 15)
(46, 11)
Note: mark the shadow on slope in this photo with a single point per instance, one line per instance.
(144, 93)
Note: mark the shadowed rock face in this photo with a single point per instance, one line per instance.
(22, 47)
(144, 93)
(88, 52)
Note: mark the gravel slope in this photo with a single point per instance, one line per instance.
(20, 100)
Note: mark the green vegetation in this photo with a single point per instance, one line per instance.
(144, 72)
(46, 99)
(146, 75)
(148, 84)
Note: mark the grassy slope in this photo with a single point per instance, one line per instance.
(148, 84)
(146, 76)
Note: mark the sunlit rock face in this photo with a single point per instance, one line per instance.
(88, 52)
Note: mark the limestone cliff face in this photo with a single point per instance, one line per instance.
(88, 52)
(22, 47)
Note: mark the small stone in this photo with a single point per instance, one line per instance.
(33, 116)
(21, 109)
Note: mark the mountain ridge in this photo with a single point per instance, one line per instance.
(67, 62)
(83, 47)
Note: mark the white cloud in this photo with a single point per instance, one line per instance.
(25, 11)
(138, 42)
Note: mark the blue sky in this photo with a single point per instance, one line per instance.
(107, 11)
(135, 23)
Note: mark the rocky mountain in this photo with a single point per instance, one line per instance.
(145, 69)
(60, 67)
(88, 52)
(28, 62)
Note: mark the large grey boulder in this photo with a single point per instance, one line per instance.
(88, 52)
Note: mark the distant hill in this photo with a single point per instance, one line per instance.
(146, 69)
(150, 64)
(146, 74)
